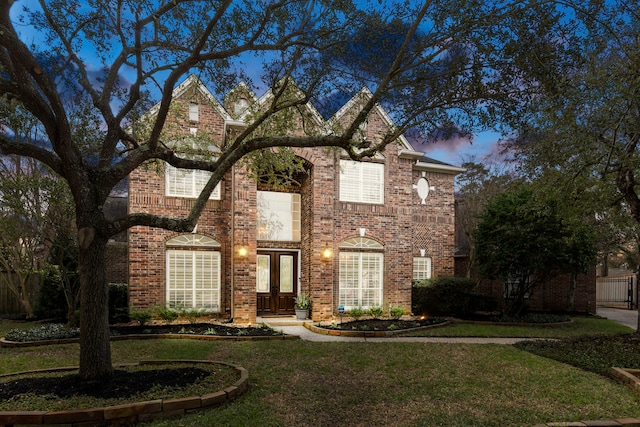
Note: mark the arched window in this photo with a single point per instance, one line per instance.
(193, 272)
(361, 273)
(361, 242)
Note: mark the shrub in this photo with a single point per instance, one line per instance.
(140, 316)
(443, 296)
(51, 301)
(376, 312)
(192, 314)
(356, 313)
(396, 312)
(167, 314)
(118, 302)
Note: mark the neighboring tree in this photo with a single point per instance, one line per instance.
(523, 241)
(33, 210)
(444, 62)
(63, 271)
(36, 209)
(585, 123)
(480, 183)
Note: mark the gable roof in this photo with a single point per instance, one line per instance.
(315, 114)
(357, 98)
(180, 90)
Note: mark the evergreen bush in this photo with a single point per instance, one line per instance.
(118, 302)
(444, 296)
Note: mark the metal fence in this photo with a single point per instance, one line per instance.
(618, 291)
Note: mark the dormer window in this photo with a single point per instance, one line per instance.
(194, 113)
(240, 106)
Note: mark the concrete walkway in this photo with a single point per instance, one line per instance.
(307, 335)
(290, 326)
(625, 317)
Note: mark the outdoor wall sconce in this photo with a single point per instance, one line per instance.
(326, 253)
(243, 251)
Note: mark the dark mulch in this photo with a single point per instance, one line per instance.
(124, 384)
(194, 329)
(383, 324)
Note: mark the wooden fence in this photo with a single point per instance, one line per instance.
(10, 306)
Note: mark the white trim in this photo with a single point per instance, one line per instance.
(179, 90)
(410, 154)
(170, 285)
(367, 94)
(269, 95)
(438, 167)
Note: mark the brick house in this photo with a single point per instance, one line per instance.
(350, 234)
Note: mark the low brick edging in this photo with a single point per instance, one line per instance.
(625, 422)
(629, 377)
(367, 334)
(130, 412)
(7, 343)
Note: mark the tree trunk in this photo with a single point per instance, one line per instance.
(572, 292)
(95, 349)
(637, 278)
(24, 294)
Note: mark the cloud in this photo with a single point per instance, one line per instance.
(447, 138)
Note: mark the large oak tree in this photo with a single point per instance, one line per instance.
(429, 63)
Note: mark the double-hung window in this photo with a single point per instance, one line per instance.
(421, 268)
(361, 182)
(189, 183)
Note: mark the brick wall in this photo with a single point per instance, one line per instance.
(553, 294)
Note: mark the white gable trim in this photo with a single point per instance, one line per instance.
(367, 94)
(268, 95)
(437, 167)
(182, 88)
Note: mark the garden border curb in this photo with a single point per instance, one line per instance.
(368, 334)
(129, 412)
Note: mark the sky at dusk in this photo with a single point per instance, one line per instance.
(456, 151)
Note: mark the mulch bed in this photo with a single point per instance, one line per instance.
(193, 329)
(382, 324)
(124, 384)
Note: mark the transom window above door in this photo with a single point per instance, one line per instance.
(278, 216)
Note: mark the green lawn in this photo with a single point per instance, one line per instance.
(579, 326)
(376, 384)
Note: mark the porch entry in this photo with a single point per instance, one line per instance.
(277, 282)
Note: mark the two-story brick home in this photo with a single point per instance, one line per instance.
(347, 233)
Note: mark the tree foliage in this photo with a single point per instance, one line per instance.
(523, 241)
(480, 183)
(584, 127)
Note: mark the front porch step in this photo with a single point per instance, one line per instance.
(281, 321)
